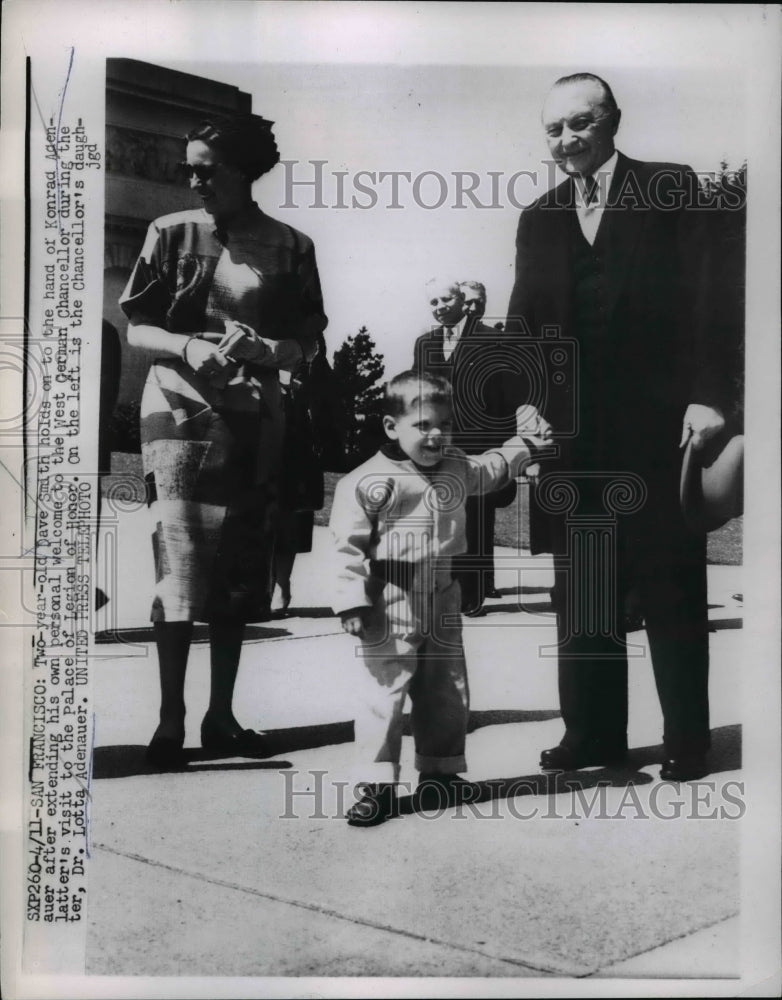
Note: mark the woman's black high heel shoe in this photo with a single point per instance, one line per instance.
(166, 753)
(239, 743)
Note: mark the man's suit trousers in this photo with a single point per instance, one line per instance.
(669, 578)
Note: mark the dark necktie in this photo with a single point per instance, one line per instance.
(590, 189)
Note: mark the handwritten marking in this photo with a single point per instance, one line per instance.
(89, 794)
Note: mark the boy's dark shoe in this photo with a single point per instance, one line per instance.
(440, 791)
(376, 805)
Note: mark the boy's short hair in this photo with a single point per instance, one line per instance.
(411, 388)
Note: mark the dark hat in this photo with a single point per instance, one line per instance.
(711, 489)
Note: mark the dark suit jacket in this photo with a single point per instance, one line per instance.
(486, 391)
(617, 401)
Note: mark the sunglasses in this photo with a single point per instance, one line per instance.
(201, 171)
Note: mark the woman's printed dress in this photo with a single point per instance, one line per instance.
(211, 452)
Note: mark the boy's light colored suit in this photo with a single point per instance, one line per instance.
(396, 529)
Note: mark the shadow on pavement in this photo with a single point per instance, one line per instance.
(125, 761)
(722, 623)
(506, 716)
(477, 792)
(725, 755)
(296, 612)
(507, 591)
(543, 607)
(129, 760)
(200, 634)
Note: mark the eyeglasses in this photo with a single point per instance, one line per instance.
(202, 171)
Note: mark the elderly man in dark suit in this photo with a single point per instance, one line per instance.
(462, 349)
(616, 260)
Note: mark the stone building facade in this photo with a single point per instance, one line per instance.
(149, 110)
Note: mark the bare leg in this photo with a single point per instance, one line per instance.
(173, 646)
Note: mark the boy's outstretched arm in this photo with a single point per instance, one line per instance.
(496, 467)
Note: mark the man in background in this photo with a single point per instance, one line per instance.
(474, 295)
(462, 349)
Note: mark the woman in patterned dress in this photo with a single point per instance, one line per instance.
(225, 297)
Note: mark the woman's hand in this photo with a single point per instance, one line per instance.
(242, 343)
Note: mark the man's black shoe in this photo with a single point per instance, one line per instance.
(377, 804)
(686, 768)
(564, 758)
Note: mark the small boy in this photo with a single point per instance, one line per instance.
(397, 521)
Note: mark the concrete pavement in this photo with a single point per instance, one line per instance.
(246, 868)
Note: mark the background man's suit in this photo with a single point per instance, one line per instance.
(639, 305)
(484, 402)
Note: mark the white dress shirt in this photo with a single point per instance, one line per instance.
(590, 214)
(450, 342)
